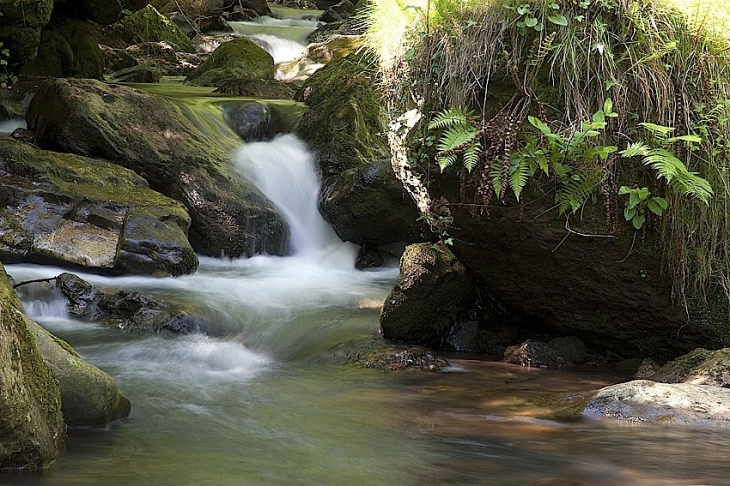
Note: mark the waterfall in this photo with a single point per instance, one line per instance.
(283, 170)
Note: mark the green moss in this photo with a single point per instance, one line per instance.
(345, 121)
(239, 59)
(145, 25)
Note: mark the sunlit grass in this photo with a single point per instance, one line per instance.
(710, 14)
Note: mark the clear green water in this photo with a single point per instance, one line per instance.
(256, 405)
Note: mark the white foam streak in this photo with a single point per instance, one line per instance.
(282, 50)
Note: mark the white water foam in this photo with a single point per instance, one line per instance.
(283, 170)
(282, 50)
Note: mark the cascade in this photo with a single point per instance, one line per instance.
(283, 170)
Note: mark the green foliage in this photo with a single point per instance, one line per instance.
(459, 139)
(6, 77)
(639, 202)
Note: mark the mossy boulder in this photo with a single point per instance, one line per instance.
(431, 289)
(89, 396)
(69, 210)
(145, 25)
(31, 422)
(239, 59)
(377, 354)
(698, 367)
(152, 136)
(102, 12)
(345, 124)
(142, 73)
(20, 28)
(68, 48)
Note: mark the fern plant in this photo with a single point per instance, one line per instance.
(460, 138)
(667, 165)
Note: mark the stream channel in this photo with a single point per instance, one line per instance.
(263, 400)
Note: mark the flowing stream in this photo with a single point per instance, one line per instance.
(262, 399)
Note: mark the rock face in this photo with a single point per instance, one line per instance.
(69, 210)
(31, 423)
(89, 396)
(431, 289)
(575, 285)
(344, 123)
(129, 311)
(151, 136)
(647, 401)
(239, 59)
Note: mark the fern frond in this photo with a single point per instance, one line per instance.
(452, 117)
(496, 175)
(456, 139)
(446, 161)
(668, 166)
(471, 156)
(519, 174)
(576, 191)
(636, 149)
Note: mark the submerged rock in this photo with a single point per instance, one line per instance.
(89, 396)
(129, 311)
(152, 136)
(432, 286)
(377, 354)
(648, 401)
(69, 210)
(558, 353)
(141, 73)
(31, 422)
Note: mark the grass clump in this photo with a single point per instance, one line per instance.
(559, 62)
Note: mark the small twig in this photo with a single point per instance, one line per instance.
(38, 280)
(630, 249)
(572, 231)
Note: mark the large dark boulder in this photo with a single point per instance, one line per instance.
(89, 396)
(432, 288)
(31, 423)
(239, 59)
(129, 311)
(68, 48)
(69, 210)
(102, 12)
(152, 136)
(345, 124)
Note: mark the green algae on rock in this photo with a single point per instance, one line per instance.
(145, 25)
(239, 59)
(31, 423)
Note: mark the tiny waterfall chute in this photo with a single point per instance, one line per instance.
(283, 170)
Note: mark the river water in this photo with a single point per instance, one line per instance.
(257, 401)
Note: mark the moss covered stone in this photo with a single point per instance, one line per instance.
(20, 28)
(145, 25)
(239, 59)
(31, 423)
(89, 396)
(73, 210)
(432, 287)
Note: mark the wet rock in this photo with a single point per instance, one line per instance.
(361, 196)
(646, 370)
(142, 73)
(89, 396)
(117, 59)
(651, 402)
(432, 286)
(129, 311)
(250, 120)
(171, 61)
(259, 7)
(698, 367)
(558, 353)
(31, 422)
(70, 210)
(316, 55)
(369, 257)
(239, 59)
(152, 136)
(257, 89)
